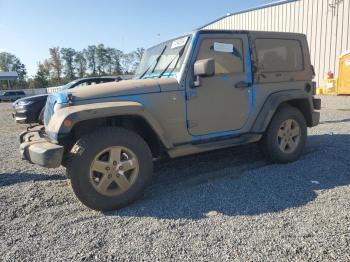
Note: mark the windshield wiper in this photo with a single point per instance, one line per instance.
(178, 56)
(155, 65)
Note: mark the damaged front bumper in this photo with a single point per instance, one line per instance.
(37, 148)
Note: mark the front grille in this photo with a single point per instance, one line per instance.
(49, 109)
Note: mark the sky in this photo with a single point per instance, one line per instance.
(29, 28)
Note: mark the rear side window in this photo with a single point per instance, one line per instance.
(228, 54)
(279, 55)
(107, 80)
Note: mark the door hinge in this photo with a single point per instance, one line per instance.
(191, 124)
(190, 95)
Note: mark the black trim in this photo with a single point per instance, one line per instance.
(272, 102)
(317, 103)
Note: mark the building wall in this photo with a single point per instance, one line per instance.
(327, 29)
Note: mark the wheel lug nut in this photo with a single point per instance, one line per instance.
(117, 175)
(107, 168)
(115, 163)
(121, 168)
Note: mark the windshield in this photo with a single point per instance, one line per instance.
(163, 60)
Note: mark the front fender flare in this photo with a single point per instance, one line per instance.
(80, 113)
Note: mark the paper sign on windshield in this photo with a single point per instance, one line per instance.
(179, 42)
(222, 47)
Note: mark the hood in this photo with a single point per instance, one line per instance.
(33, 98)
(123, 88)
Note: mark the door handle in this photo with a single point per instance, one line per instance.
(243, 84)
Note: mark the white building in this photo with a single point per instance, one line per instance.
(326, 24)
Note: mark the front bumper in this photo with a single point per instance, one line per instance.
(38, 149)
(24, 116)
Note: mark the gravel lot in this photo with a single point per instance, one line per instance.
(220, 206)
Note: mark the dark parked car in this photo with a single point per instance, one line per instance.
(11, 96)
(30, 110)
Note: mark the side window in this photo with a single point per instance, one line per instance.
(279, 55)
(228, 54)
(107, 80)
(81, 84)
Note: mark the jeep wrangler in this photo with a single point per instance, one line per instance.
(203, 91)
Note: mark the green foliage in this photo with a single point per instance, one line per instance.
(56, 64)
(68, 58)
(67, 64)
(41, 79)
(90, 54)
(80, 64)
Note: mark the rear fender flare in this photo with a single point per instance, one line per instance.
(273, 102)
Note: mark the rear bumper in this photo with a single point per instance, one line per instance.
(38, 149)
(316, 114)
(317, 103)
(315, 118)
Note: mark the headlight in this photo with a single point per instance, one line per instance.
(24, 103)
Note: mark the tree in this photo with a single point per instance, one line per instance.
(128, 63)
(80, 64)
(101, 59)
(56, 63)
(68, 58)
(41, 79)
(115, 62)
(9, 62)
(90, 55)
(139, 53)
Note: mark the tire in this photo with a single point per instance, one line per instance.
(98, 147)
(41, 116)
(274, 143)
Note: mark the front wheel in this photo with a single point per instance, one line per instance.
(110, 168)
(285, 137)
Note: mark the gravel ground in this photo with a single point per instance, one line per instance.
(221, 206)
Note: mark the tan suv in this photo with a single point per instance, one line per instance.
(200, 92)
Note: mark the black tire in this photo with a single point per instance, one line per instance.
(269, 144)
(83, 155)
(41, 116)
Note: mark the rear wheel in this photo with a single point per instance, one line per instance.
(285, 137)
(110, 168)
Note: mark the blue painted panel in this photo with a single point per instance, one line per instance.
(169, 75)
(61, 97)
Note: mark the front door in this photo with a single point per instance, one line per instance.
(218, 105)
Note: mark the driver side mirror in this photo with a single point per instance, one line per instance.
(203, 68)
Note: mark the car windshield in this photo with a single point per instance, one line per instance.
(163, 60)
